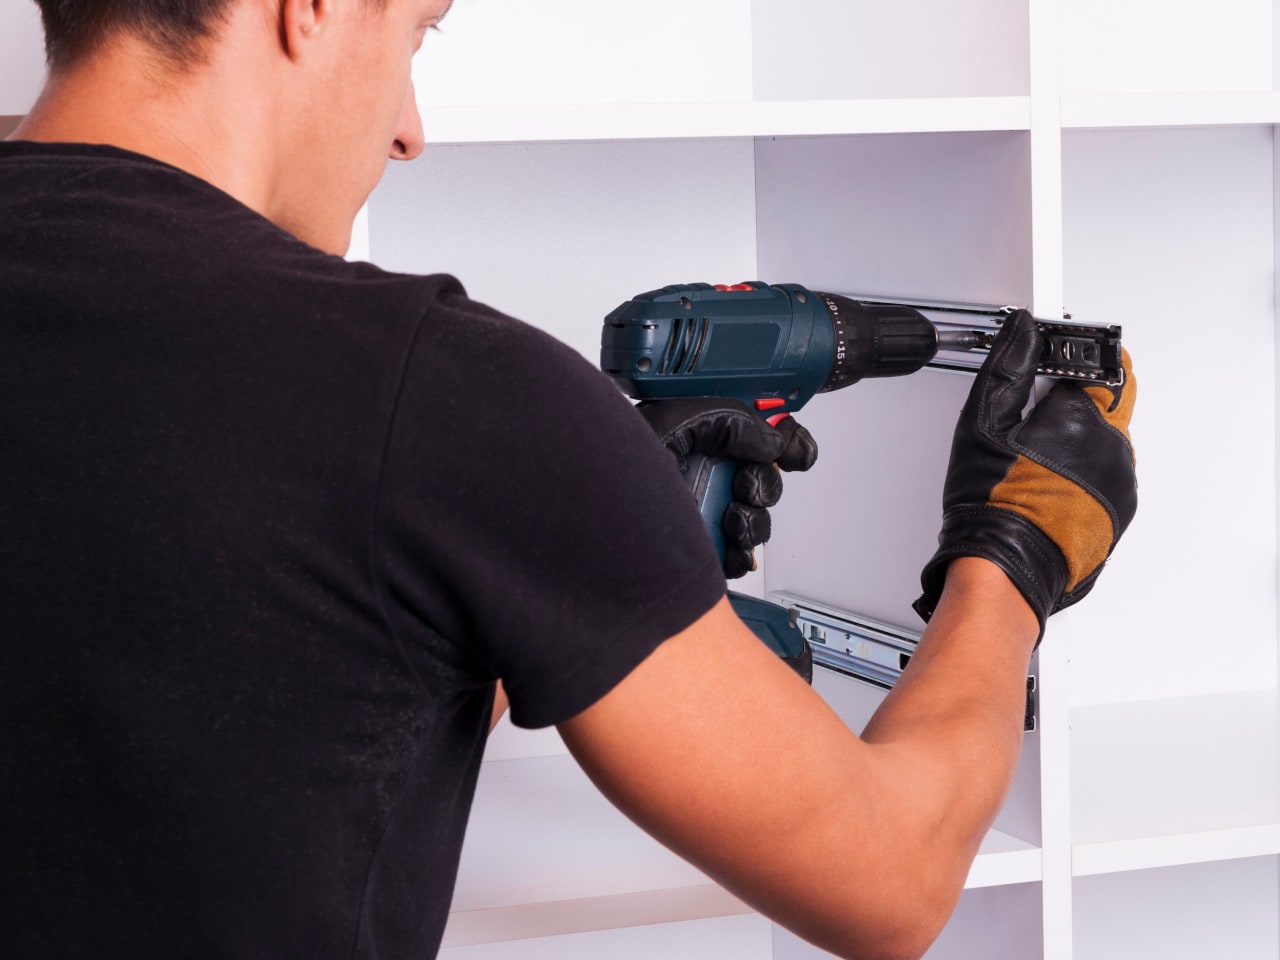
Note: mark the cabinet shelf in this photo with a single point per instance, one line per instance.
(1092, 110)
(764, 118)
(1177, 781)
(787, 118)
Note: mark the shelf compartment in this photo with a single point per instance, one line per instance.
(1224, 909)
(1178, 781)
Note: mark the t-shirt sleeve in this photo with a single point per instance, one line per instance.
(533, 527)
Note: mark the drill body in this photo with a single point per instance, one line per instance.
(772, 347)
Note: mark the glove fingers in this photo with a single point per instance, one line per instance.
(757, 484)
(738, 562)
(799, 450)
(713, 426)
(744, 529)
(1116, 403)
(1003, 385)
(725, 427)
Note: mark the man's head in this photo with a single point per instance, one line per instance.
(292, 106)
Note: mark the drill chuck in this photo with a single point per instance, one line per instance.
(881, 340)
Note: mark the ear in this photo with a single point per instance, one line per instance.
(302, 20)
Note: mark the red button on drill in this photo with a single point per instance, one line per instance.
(724, 287)
(770, 403)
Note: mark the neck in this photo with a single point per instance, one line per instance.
(196, 119)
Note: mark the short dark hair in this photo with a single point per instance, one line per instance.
(176, 28)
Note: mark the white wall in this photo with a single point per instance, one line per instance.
(1160, 237)
(586, 51)
(21, 56)
(1155, 46)
(560, 234)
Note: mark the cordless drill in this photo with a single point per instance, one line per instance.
(773, 346)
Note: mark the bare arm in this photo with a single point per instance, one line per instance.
(861, 846)
(500, 704)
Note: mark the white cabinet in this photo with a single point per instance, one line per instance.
(1113, 159)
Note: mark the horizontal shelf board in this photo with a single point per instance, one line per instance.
(1175, 781)
(1088, 110)
(1206, 847)
(1004, 860)
(547, 854)
(657, 121)
(527, 921)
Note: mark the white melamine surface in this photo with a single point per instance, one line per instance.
(944, 216)
(811, 49)
(1175, 781)
(1155, 46)
(1083, 110)
(1170, 233)
(444, 123)
(1226, 910)
(512, 52)
(21, 56)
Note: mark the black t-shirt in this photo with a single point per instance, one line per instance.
(271, 523)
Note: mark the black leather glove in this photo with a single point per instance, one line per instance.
(1045, 498)
(722, 427)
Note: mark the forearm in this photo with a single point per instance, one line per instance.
(951, 729)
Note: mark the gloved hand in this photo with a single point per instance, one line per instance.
(1045, 498)
(722, 427)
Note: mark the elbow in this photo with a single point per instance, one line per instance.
(902, 925)
(907, 937)
(913, 941)
(901, 944)
(918, 918)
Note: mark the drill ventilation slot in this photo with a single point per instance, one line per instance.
(685, 345)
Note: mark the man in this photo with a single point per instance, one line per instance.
(273, 526)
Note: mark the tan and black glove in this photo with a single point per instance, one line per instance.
(1045, 498)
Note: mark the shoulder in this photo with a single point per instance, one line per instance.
(477, 357)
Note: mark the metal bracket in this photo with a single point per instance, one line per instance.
(865, 649)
